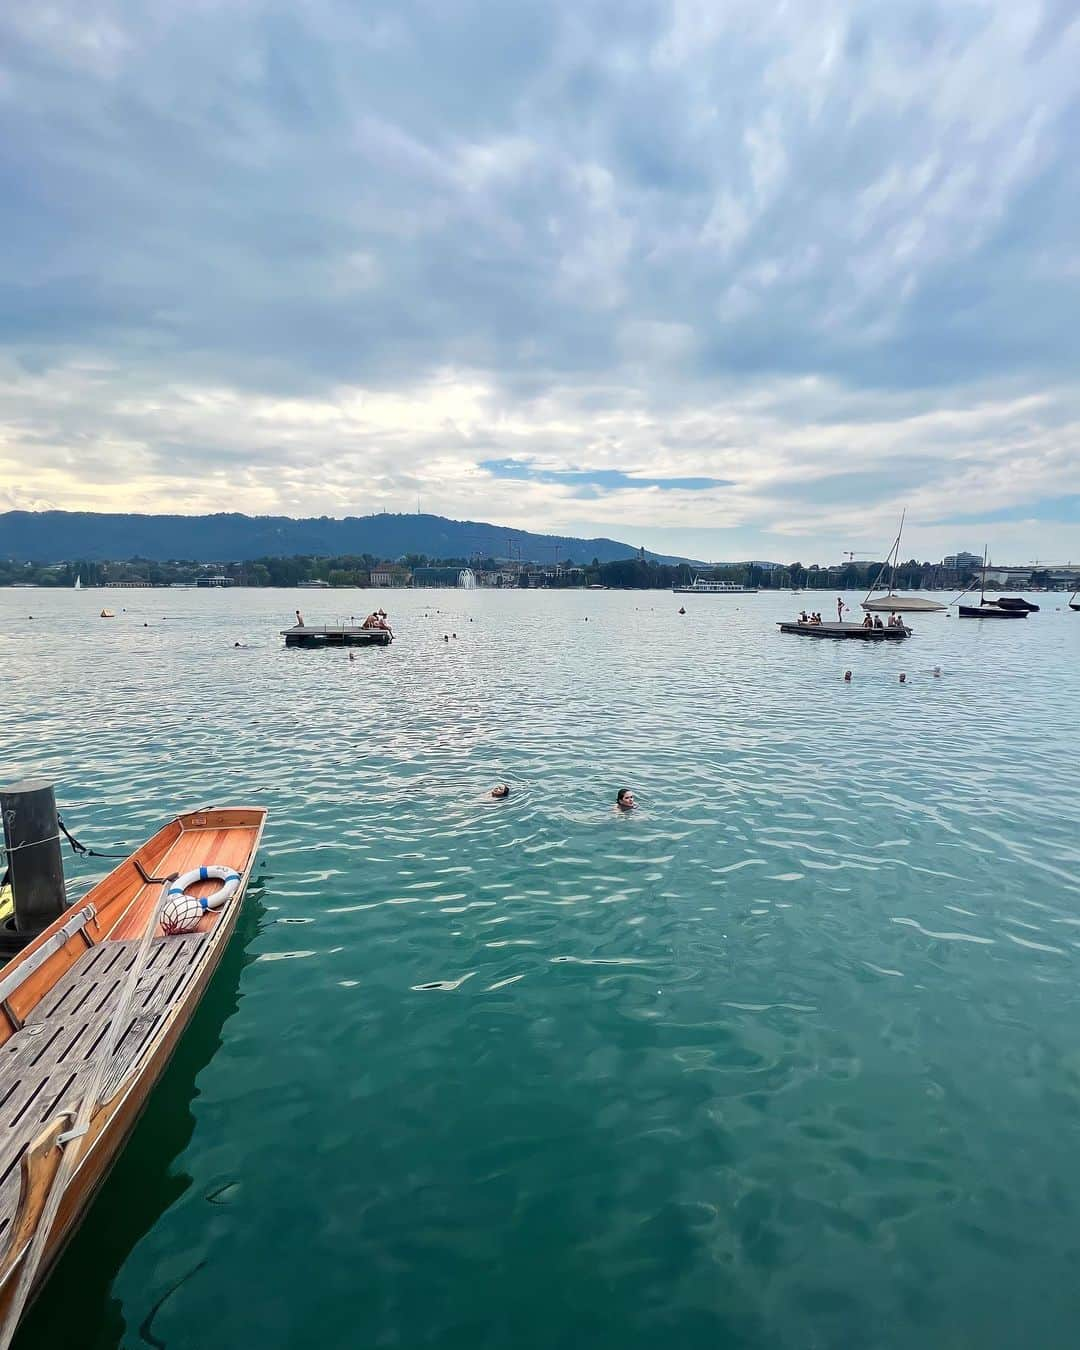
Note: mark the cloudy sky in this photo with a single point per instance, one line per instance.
(725, 278)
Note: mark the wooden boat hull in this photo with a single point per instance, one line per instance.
(123, 902)
(846, 631)
(990, 612)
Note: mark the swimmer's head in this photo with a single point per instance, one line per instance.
(847, 676)
(503, 790)
(625, 799)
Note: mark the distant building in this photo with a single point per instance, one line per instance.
(962, 562)
(389, 574)
(430, 576)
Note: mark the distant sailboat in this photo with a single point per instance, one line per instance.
(1072, 601)
(78, 583)
(893, 603)
(990, 609)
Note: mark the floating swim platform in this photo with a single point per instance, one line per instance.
(855, 631)
(336, 635)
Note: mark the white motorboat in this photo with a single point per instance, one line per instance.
(707, 586)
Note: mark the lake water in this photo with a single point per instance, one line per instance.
(787, 1058)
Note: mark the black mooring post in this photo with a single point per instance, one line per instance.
(32, 840)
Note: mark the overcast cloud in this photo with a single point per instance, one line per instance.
(729, 279)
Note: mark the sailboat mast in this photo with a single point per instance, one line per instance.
(982, 584)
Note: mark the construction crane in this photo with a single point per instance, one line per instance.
(852, 556)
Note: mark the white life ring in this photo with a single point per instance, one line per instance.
(229, 875)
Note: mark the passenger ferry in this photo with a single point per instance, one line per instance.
(707, 586)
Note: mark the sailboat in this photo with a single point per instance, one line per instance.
(1072, 601)
(78, 583)
(989, 609)
(891, 602)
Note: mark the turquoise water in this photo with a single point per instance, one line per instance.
(787, 1058)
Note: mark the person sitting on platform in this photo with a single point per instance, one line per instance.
(868, 622)
(372, 620)
(804, 617)
(877, 621)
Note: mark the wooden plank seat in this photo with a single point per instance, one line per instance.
(47, 1064)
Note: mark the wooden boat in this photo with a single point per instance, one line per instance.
(90, 1013)
(336, 635)
(857, 631)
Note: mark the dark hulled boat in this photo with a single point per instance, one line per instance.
(995, 609)
(990, 611)
(1014, 602)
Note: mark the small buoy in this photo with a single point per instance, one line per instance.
(937, 672)
(681, 610)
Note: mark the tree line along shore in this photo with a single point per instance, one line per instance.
(418, 570)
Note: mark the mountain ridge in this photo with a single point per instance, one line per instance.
(65, 536)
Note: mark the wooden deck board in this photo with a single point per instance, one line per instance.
(47, 1064)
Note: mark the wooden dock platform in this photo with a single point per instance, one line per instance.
(847, 630)
(336, 635)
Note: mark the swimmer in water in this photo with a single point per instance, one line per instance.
(503, 790)
(903, 678)
(624, 800)
(847, 676)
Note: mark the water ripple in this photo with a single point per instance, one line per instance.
(785, 1058)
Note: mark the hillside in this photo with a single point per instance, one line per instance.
(60, 536)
